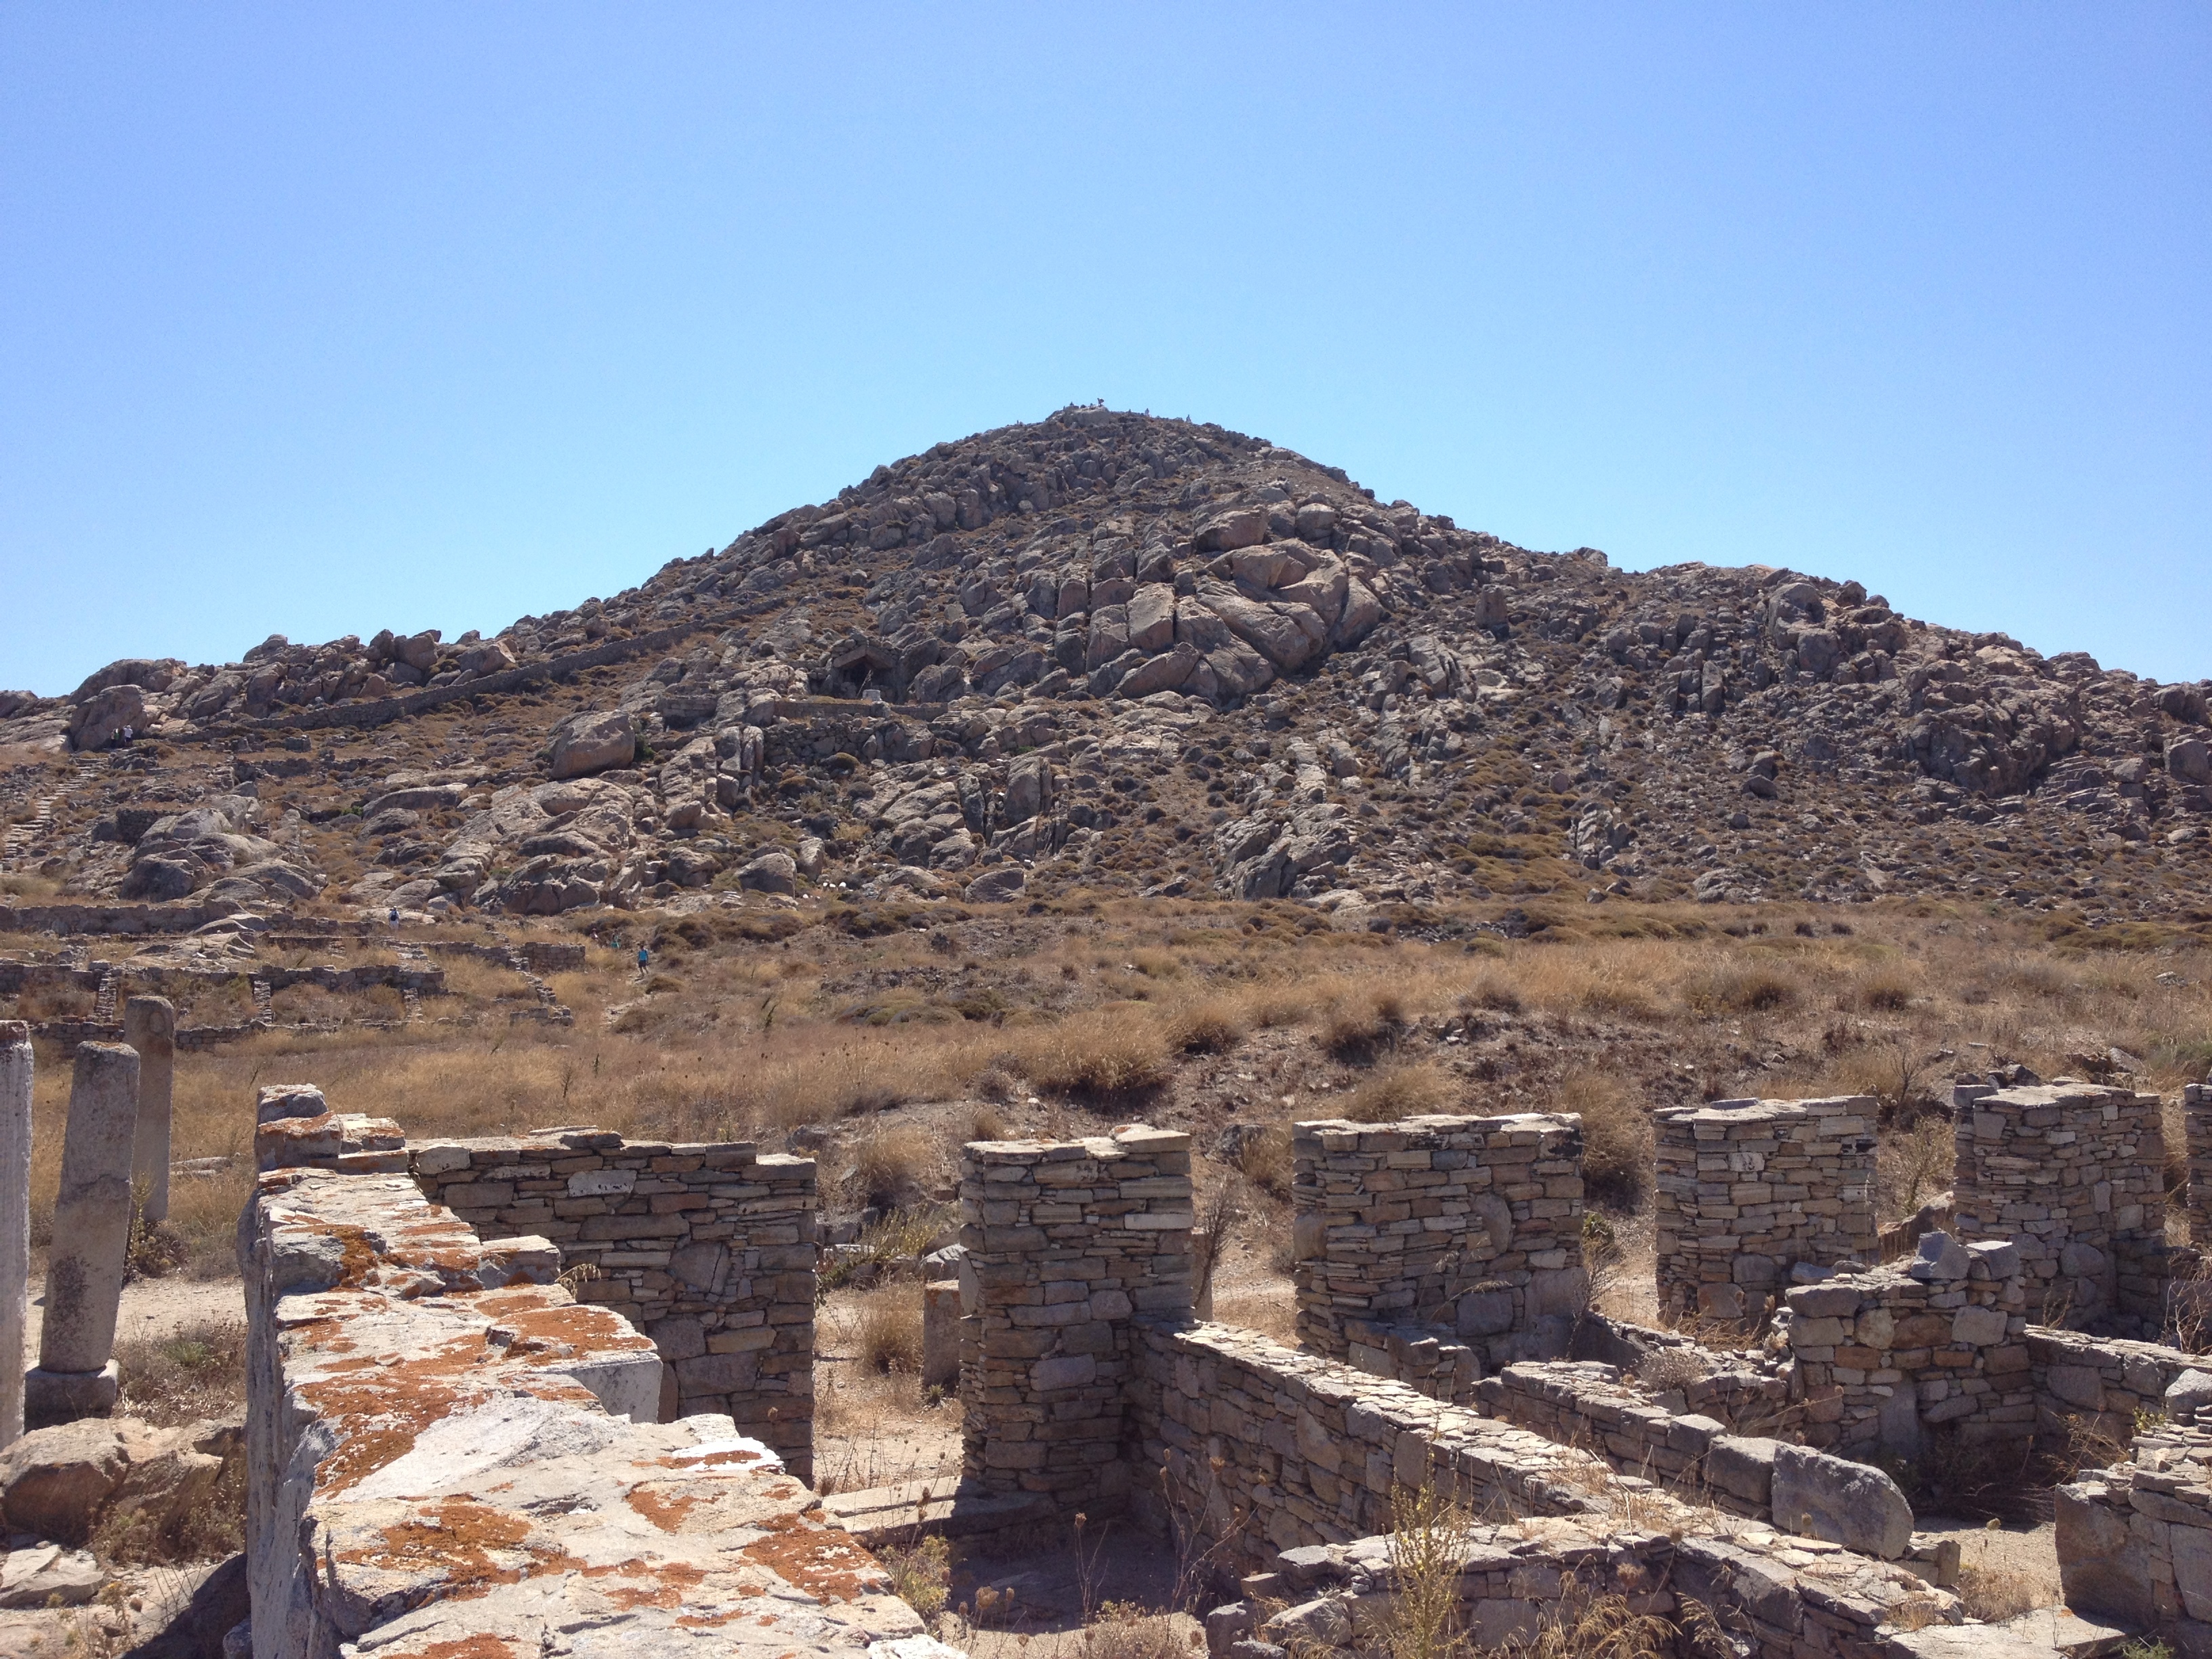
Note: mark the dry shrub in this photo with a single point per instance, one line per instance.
(1123, 1629)
(1493, 993)
(890, 1329)
(1102, 1055)
(1993, 1595)
(197, 1371)
(1912, 1165)
(985, 1122)
(1357, 1026)
(888, 1167)
(1265, 1160)
(1741, 989)
(1616, 1135)
(1882, 993)
(1204, 1027)
(1398, 1091)
(1430, 1536)
(921, 1573)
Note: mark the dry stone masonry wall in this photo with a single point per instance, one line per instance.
(1746, 1189)
(448, 1456)
(2072, 1173)
(1064, 1242)
(1468, 1229)
(709, 1249)
(1886, 1357)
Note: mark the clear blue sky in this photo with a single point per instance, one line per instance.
(319, 319)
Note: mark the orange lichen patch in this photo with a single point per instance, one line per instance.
(707, 1620)
(468, 1647)
(822, 1563)
(666, 1510)
(454, 1539)
(709, 1461)
(379, 1410)
(564, 1328)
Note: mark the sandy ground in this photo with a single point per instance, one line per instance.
(2014, 1566)
(151, 1308)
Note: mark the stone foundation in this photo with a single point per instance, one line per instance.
(1746, 1189)
(709, 1249)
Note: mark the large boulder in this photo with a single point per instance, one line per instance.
(56, 1482)
(1845, 1503)
(1244, 526)
(100, 719)
(593, 742)
(152, 673)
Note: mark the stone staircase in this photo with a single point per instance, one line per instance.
(103, 1004)
(22, 837)
(264, 1013)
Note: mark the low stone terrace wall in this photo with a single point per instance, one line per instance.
(709, 1248)
(1774, 1597)
(1470, 1226)
(2134, 1540)
(447, 1461)
(2106, 1385)
(1586, 1404)
(1885, 1358)
(1746, 1190)
(1266, 1448)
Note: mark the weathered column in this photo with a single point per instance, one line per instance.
(149, 1025)
(15, 1216)
(77, 1376)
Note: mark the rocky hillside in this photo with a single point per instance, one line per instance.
(1120, 653)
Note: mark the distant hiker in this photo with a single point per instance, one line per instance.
(643, 957)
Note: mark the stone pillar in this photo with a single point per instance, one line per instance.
(149, 1025)
(15, 1216)
(940, 1333)
(2196, 1121)
(77, 1376)
(1067, 1242)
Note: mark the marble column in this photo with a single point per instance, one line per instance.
(15, 1216)
(76, 1375)
(149, 1025)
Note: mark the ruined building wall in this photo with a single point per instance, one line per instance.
(1064, 1242)
(2196, 1125)
(709, 1249)
(1746, 1190)
(2072, 1174)
(448, 1456)
(1886, 1357)
(1468, 1229)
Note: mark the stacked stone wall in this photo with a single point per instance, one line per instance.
(1887, 1357)
(1586, 1404)
(2196, 1127)
(2134, 1540)
(1064, 1242)
(2108, 1385)
(1261, 1448)
(1773, 1598)
(1746, 1189)
(1465, 1228)
(2073, 1173)
(709, 1248)
(449, 1456)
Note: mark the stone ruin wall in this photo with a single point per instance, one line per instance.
(1886, 1357)
(448, 1454)
(1065, 1243)
(707, 1248)
(1746, 1190)
(2074, 1174)
(1462, 1230)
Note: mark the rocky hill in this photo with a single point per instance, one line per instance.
(1120, 653)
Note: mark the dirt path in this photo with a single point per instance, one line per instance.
(151, 1309)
